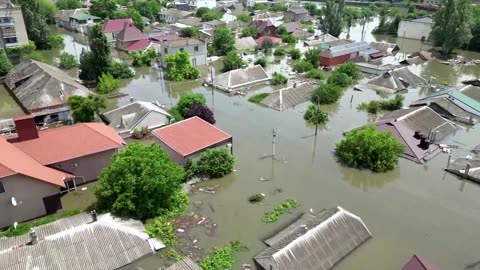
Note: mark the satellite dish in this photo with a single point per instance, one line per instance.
(14, 202)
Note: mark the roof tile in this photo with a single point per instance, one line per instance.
(115, 25)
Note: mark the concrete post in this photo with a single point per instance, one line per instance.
(467, 170)
(449, 158)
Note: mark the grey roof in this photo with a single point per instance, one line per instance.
(427, 20)
(346, 49)
(476, 149)
(245, 43)
(176, 13)
(472, 92)
(291, 26)
(385, 46)
(136, 115)
(185, 264)
(458, 167)
(318, 244)
(395, 80)
(40, 87)
(403, 124)
(191, 21)
(76, 243)
(290, 96)
(241, 78)
(416, 60)
(297, 10)
(447, 108)
(324, 38)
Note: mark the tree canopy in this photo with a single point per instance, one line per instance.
(5, 65)
(232, 61)
(179, 67)
(326, 93)
(201, 111)
(149, 8)
(140, 182)
(332, 20)
(36, 23)
(223, 40)
(315, 115)
(103, 8)
(188, 100)
(68, 4)
(214, 163)
(97, 61)
(84, 109)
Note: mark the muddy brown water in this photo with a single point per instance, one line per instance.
(412, 209)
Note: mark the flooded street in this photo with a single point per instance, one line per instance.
(413, 209)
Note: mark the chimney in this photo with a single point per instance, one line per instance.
(26, 128)
(94, 215)
(33, 237)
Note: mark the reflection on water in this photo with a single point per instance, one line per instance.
(8, 106)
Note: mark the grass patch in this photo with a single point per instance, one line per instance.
(258, 98)
(44, 220)
(375, 106)
(222, 258)
(273, 215)
(174, 255)
(68, 213)
(163, 229)
(22, 228)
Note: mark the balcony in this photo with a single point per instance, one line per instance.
(7, 22)
(9, 32)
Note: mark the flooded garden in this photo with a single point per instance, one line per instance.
(413, 209)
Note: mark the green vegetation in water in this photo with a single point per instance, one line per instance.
(375, 106)
(163, 229)
(315, 74)
(278, 79)
(214, 163)
(174, 255)
(44, 220)
(256, 198)
(273, 215)
(22, 228)
(258, 98)
(222, 258)
(315, 116)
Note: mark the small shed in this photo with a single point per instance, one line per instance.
(188, 139)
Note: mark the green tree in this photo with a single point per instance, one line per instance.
(223, 40)
(68, 4)
(232, 61)
(249, 32)
(36, 23)
(5, 65)
(135, 180)
(278, 79)
(280, 51)
(282, 30)
(136, 18)
(244, 17)
(67, 61)
(120, 70)
(262, 61)
(149, 8)
(103, 8)
(211, 15)
(187, 100)
(84, 109)
(340, 79)
(267, 44)
(143, 58)
(451, 25)
(201, 11)
(214, 163)
(474, 43)
(179, 67)
(97, 61)
(350, 69)
(278, 7)
(316, 116)
(56, 42)
(107, 84)
(259, 6)
(201, 111)
(48, 9)
(332, 20)
(368, 148)
(313, 9)
(302, 66)
(289, 39)
(294, 53)
(313, 56)
(315, 74)
(326, 93)
(190, 32)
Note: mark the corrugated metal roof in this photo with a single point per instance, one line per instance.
(346, 49)
(185, 264)
(290, 96)
(241, 77)
(318, 244)
(131, 33)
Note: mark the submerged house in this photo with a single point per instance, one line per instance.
(314, 242)
(419, 129)
(290, 96)
(139, 114)
(131, 39)
(336, 55)
(419, 263)
(246, 43)
(468, 168)
(79, 242)
(43, 90)
(387, 48)
(393, 81)
(240, 78)
(188, 139)
(113, 27)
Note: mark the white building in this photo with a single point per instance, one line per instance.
(196, 48)
(12, 26)
(415, 29)
(195, 4)
(173, 15)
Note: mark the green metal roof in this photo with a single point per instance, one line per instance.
(454, 94)
(84, 16)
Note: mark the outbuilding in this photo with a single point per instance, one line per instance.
(340, 54)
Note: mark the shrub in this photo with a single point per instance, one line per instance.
(56, 42)
(244, 17)
(201, 111)
(232, 61)
(350, 69)
(314, 115)
(163, 229)
(120, 70)
(326, 93)
(44, 220)
(189, 99)
(107, 84)
(5, 65)
(368, 148)
(313, 56)
(340, 79)
(279, 52)
(258, 97)
(383, 105)
(273, 215)
(315, 74)
(249, 32)
(267, 44)
(67, 61)
(278, 78)
(190, 32)
(302, 66)
(141, 59)
(174, 255)
(256, 198)
(176, 116)
(295, 53)
(179, 67)
(215, 163)
(259, 6)
(262, 61)
(289, 39)
(222, 258)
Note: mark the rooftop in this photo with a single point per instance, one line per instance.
(291, 26)
(419, 263)
(139, 45)
(131, 33)
(80, 16)
(191, 21)
(394, 80)
(241, 78)
(245, 43)
(182, 42)
(427, 20)
(273, 39)
(290, 96)
(116, 25)
(190, 136)
(69, 142)
(298, 10)
(344, 49)
(176, 13)
(185, 264)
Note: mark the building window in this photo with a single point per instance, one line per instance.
(194, 62)
(2, 188)
(181, 49)
(195, 48)
(11, 40)
(165, 50)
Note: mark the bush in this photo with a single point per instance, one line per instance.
(262, 61)
(189, 99)
(278, 78)
(179, 67)
(56, 42)
(176, 116)
(273, 215)
(5, 65)
(350, 69)
(190, 32)
(340, 79)
(314, 115)
(326, 93)
(383, 105)
(67, 61)
(44, 220)
(279, 52)
(368, 148)
(222, 258)
(163, 229)
(289, 39)
(256, 198)
(107, 84)
(267, 44)
(315, 74)
(249, 32)
(244, 17)
(201, 111)
(22, 228)
(302, 66)
(232, 61)
(258, 97)
(120, 70)
(295, 53)
(313, 56)
(143, 59)
(259, 6)
(215, 163)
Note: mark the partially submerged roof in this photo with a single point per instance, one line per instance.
(321, 39)
(15, 161)
(116, 25)
(80, 16)
(393, 81)
(318, 244)
(344, 49)
(426, 20)
(185, 264)
(64, 15)
(290, 96)
(416, 60)
(69, 142)
(77, 243)
(39, 87)
(471, 91)
(298, 10)
(246, 43)
(238, 78)
(292, 26)
(176, 13)
(385, 47)
(131, 33)
(191, 136)
(456, 97)
(459, 166)
(135, 115)
(419, 263)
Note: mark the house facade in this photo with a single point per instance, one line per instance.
(195, 4)
(173, 15)
(80, 22)
(129, 36)
(340, 54)
(12, 26)
(113, 27)
(196, 48)
(296, 14)
(415, 29)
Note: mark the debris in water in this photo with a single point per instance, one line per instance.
(264, 178)
(84, 188)
(180, 230)
(246, 266)
(198, 204)
(195, 241)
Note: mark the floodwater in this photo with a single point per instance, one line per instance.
(412, 209)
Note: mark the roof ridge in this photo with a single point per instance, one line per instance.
(89, 125)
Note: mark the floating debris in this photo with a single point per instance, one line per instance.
(264, 178)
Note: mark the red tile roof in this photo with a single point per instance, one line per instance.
(139, 45)
(115, 25)
(419, 263)
(273, 39)
(131, 33)
(14, 161)
(190, 135)
(69, 142)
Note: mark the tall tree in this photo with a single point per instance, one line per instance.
(96, 62)
(103, 8)
(5, 65)
(474, 43)
(223, 40)
(36, 23)
(49, 9)
(68, 4)
(84, 109)
(451, 25)
(332, 20)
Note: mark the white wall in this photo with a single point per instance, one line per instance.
(414, 30)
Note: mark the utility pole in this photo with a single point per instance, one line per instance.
(274, 134)
(213, 91)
